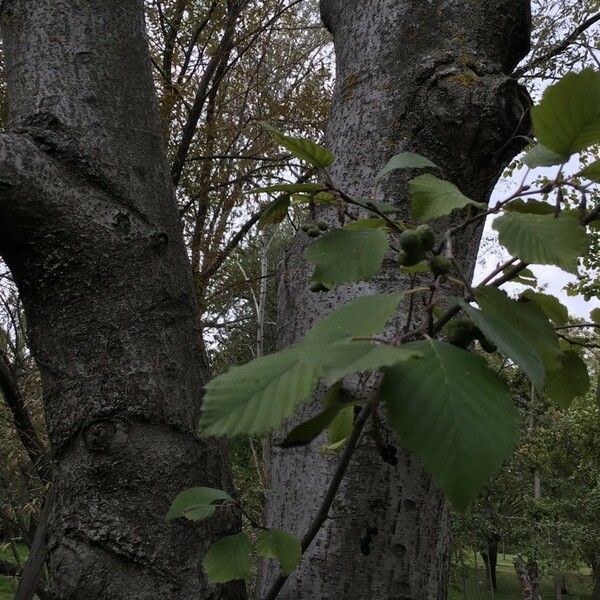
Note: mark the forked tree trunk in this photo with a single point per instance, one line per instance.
(529, 579)
(89, 228)
(429, 77)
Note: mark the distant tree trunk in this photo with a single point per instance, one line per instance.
(529, 579)
(89, 229)
(428, 77)
(596, 575)
(490, 558)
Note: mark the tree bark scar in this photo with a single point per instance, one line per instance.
(105, 436)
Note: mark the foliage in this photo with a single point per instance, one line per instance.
(448, 406)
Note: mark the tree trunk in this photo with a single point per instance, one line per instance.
(429, 77)
(490, 559)
(596, 575)
(89, 229)
(529, 579)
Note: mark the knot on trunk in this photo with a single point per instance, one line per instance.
(104, 436)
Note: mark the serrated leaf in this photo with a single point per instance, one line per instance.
(308, 431)
(290, 188)
(550, 306)
(302, 148)
(279, 545)
(454, 414)
(405, 160)
(344, 256)
(592, 171)
(373, 223)
(275, 212)
(342, 424)
(432, 197)
(534, 207)
(197, 503)
(525, 277)
(228, 559)
(567, 119)
(519, 330)
(314, 198)
(569, 380)
(540, 156)
(543, 239)
(258, 396)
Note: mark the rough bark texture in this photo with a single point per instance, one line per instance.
(89, 228)
(596, 575)
(490, 559)
(429, 77)
(529, 580)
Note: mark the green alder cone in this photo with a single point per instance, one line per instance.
(427, 237)
(440, 265)
(410, 242)
(409, 259)
(461, 332)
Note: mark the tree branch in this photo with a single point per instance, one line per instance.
(558, 48)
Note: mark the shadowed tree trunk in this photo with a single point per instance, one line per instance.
(89, 229)
(490, 559)
(596, 575)
(529, 579)
(428, 77)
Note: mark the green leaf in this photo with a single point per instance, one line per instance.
(421, 267)
(313, 153)
(257, 396)
(592, 171)
(567, 119)
(432, 197)
(275, 212)
(290, 188)
(543, 239)
(540, 156)
(315, 198)
(373, 223)
(595, 316)
(279, 545)
(197, 503)
(405, 160)
(228, 559)
(344, 256)
(454, 414)
(519, 330)
(534, 207)
(525, 277)
(550, 306)
(308, 431)
(569, 380)
(342, 424)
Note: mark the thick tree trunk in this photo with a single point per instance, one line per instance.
(596, 575)
(429, 77)
(89, 228)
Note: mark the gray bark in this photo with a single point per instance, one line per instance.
(89, 229)
(429, 77)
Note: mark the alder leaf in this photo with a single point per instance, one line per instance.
(540, 156)
(197, 503)
(569, 380)
(543, 239)
(432, 197)
(228, 559)
(454, 414)
(567, 119)
(405, 160)
(279, 545)
(345, 255)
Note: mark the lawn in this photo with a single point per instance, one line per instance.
(8, 584)
(579, 585)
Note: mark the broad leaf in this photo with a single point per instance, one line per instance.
(310, 430)
(311, 152)
(595, 315)
(290, 188)
(534, 207)
(567, 119)
(342, 424)
(432, 197)
(550, 305)
(592, 171)
(374, 223)
(454, 414)
(344, 256)
(275, 212)
(525, 316)
(228, 559)
(257, 396)
(197, 503)
(279, 545)
(405, 160)
(543, 239)
(569, 380)
(540, 156)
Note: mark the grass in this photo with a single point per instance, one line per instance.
(579, 585)
(8, 585)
